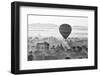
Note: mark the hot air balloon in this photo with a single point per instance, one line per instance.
(65, 30)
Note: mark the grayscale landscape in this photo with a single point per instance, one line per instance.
(51, 48)
(49, 40)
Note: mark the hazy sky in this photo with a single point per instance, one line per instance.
(49, 25)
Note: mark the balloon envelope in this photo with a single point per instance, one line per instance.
(65, 30)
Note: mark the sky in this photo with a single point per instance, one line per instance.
(46, 25)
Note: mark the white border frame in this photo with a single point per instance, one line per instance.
(24, 64)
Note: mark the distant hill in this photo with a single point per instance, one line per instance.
(51, 40)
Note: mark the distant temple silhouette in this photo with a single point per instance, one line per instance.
(44, 46)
